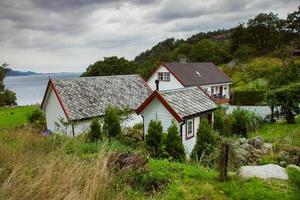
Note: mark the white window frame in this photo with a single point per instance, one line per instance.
(163, 76)
(190, 128)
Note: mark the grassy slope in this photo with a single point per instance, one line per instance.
(14, 117)
(34, 160)
(281, 133)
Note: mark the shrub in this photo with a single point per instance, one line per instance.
(294, 176)
(205, 141)
(243, 121)
(95, 133)
(112, 126)
(248, 97)
(7, 98)
(219, 124)
(154, 138)
(173, 143)
(37, 119)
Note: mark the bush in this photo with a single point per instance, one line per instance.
(173, 143)
(243, 121)
(7, 98)
(95, 133)
(112, 126)
(248, 97)
(154, 138)
(37, 119)
(205, 142)
(219, 124)
(294, 177)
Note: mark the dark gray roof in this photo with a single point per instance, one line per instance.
(193, 74)
(188, 101)
(88, 97)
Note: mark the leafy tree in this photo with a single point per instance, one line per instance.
(244, 52)
(205, 141)
(154, 138)
(7, 98)
(112, 126)
(288, 98)
(293, 22)
(111, 66)
(95, 133)
(173, 143)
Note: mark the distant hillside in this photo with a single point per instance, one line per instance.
(11, 72)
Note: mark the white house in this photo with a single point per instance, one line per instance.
(78, 100)
(176, 75)
(186, 106)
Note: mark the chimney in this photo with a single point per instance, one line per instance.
(182, 59)
(157, 84)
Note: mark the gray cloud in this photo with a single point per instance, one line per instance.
(68, 35)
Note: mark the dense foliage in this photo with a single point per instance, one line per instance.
(95, 132)
(154, 138)
(112, 125)
(247, 96)
(205, 141)
(288, 97)
(173, 143)
(37, 119)
(7, 97)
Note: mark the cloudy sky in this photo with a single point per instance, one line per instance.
(68, 35)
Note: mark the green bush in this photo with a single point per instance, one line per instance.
(247, 97)
(173, 143)
(219, 121)
(243, 121)
(112, 126)
(37, 119)
(95, 133)
(294, 177)
(7, 98)
(154, 138)
(205, 142)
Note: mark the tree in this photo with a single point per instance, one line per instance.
(293, 21)
(219, 125)
(205, 141)
(7, 97)
(154, 138)
(288, 97)
(239, 122)
(112, 126)
(95, 133)
(173, 143)
(111, 66)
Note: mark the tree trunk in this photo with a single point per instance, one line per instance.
(224, 162)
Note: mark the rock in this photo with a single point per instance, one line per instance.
(257, 142)
(269, 171)
(293, 167)
(267, 148)
(283, 163)
(242, 140)
(245, 146)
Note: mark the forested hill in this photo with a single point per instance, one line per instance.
(265, 34)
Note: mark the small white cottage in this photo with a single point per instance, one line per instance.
(175, 75)
(186, 106)
(76, 101)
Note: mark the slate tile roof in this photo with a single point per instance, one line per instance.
(87, 97)
(194, 73)
(188, 101)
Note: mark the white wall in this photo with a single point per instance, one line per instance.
(164, 85)
(190, 143)
(54, 113)
(217, 88)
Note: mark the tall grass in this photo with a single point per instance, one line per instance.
(34, 167)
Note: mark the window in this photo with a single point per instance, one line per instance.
(164, 76)
(189, 128)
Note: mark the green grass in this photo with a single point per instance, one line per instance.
(11, 117)
(281, 133)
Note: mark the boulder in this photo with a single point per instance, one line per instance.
(242, 140)
(269, 171)
(245, 146)
(257, 142)
(267, 148)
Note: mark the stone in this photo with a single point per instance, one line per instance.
(242, 140)
(257, 142)
(270, 171)
(245, 146)
(267, 148)
(283, 163)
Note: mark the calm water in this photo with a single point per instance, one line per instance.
(31, 89)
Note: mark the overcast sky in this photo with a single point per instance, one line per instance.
(68, 35)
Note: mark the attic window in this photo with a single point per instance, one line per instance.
(164, 76)
(198, 73)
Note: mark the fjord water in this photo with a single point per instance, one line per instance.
(31, 89)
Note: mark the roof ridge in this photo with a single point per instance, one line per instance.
(90, 77)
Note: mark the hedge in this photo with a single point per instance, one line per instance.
(247, 97)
